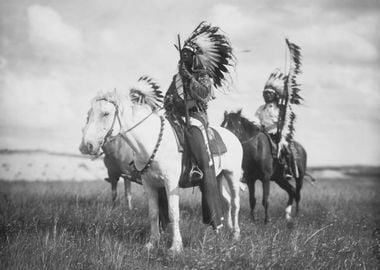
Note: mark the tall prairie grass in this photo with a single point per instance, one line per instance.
(72, 225)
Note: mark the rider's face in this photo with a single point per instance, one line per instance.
(187, 57)
(269, 96)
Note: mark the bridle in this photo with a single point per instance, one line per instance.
(110, 131)
(122, 134)
(227, 121)
(116, 116)
(237, 130)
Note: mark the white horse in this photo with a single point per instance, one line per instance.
(153, 142)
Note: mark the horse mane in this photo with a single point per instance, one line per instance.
(120, 99)
(248, 125)
(145, 92)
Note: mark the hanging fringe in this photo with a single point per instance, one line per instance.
(291, 92)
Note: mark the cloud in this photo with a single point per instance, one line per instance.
(34, 102)
(48, 31)
(337, 44)
(231, 19)
(352, 7)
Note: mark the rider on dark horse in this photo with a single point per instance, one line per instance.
(267, 117)
(203, 61)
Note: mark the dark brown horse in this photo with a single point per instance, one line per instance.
(117, 159)
(258, 162)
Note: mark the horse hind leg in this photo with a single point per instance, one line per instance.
(226, 202)
(233, 180)
(299, 184)
(284, 184)
(173, 208)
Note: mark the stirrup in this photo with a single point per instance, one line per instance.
(288, 176)
(196, 173)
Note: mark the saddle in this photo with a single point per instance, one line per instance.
(215, 142)
(289, 160)
(273, 144)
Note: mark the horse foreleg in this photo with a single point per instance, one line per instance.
(173, 205)
(266, 188)
(113, 179)
(252, 198)
(152, 195)
(128, 193)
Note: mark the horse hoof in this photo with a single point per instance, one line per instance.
(175, 249)
(288, 217)
(290, 224)
(236, 236)
(266, 220)
(129, 207)
(149, 246)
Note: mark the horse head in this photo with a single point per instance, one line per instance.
(239, 125)
(232, 122)
(103, 121)
(112, 110)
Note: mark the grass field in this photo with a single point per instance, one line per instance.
(71, 225)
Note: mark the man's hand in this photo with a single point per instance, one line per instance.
(184, 72)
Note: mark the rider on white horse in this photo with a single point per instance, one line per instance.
(204, 58)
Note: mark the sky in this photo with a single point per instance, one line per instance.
(55, 56)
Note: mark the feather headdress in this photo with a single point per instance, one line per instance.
(275, 82)
(146, 91)
(291, 92)
(213, 51)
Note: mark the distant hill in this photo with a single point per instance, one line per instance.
(37, 151)
(45, 165)
(42, 165)
(353, 170)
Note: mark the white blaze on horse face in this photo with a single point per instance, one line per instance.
(99, 122)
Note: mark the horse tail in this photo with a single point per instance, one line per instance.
(310, 178)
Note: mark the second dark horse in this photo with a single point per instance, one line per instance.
(258, 162)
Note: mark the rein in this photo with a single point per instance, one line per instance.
(248, 140)
(150, 160)
(122, 134)
(238, 130)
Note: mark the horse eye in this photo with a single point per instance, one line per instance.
(106, 114)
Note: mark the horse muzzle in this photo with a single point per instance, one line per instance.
(88, 148)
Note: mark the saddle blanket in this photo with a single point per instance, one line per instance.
(217, 146)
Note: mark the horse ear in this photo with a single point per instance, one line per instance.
(225, 114)
(239, 111)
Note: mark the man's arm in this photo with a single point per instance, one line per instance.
(257, 117)
(200, 87)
